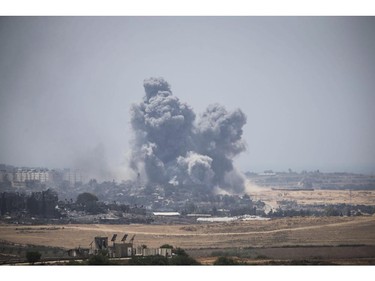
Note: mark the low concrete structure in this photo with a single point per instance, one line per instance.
(166, 214)
(79, 252)
(120, 250)
(165, 252)
(117, 250)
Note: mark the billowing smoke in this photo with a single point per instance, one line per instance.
(170, 146)
(163, 130)
(93, 164)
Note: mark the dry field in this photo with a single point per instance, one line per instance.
(312, 231)
(270, 197)
(282, 238)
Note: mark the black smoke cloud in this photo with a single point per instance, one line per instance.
(171, 146)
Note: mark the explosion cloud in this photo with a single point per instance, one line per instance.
(170, 146)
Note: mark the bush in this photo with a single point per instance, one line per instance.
(180, 252)
(166, 246)
(225, 261)
(160, 260)
(99, 260)
(148, 260)
(85, 198)
(33, 256)
(73, 262)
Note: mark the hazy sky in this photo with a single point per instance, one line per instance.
(307, 86)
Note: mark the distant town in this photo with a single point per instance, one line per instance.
(41, 195)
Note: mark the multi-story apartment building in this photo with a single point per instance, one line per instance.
(72, 176)
(23, 175)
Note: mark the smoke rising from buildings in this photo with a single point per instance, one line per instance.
(93, 164)
(171, 146)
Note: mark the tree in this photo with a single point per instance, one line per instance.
(246, 196)
(348, 213)
(166, 246)
(190, 208)
(99, 260)
(94, 208)
(32, 205)
(148, 260)
(180, 252)
(33, 256)
(86, 198)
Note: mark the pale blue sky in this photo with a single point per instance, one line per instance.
(306, 85)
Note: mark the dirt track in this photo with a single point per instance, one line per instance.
(164, 233)
(273, 233)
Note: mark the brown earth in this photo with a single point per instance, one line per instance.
(306, 197)
(308, 231)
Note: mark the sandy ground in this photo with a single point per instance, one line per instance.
(272, 233)
(270, 197)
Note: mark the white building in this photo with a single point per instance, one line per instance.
(72, 176)
(22, 175)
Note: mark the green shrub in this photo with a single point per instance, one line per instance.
(98, 260)
(225, 261)
(74, 262)
(167, 246)
(33, 256)
(148, 260)
(180, 252)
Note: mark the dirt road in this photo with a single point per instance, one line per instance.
(277, 232)
(167, 233)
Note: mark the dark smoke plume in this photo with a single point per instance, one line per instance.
(171, 147)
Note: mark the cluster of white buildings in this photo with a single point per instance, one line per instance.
(31, 175)
(72, 176)
(18, 177)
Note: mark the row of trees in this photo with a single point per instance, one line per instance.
(37, 204)
(89, 203)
